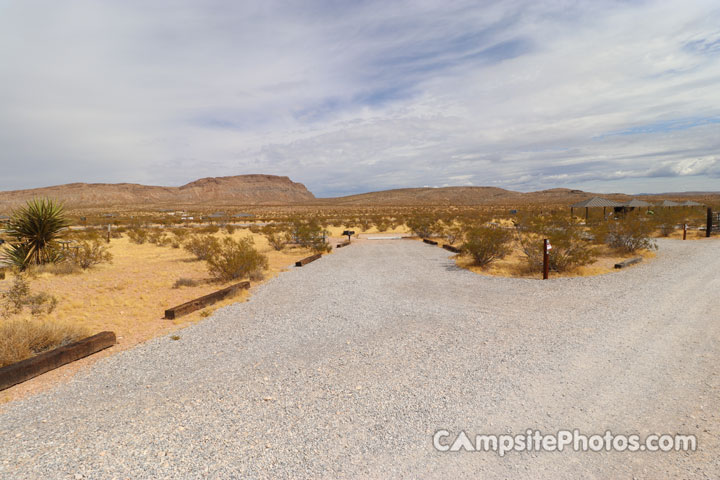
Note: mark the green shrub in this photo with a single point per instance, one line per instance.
(309, 234)
(570, 248)
(137, 235)
(422, 225)
(202, 246)
(89, 253)
(487, 244)
(628, 234)
(19, 297)
(236, 259)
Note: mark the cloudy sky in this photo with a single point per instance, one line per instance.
(353, 96)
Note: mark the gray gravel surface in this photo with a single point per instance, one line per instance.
(346, 367)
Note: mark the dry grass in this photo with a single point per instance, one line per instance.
(128, 296)
(515, 265)
(23, 338)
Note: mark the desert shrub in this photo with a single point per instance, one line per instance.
(230, 229)
(277, 238)
(569, 247)
(18, 297)
(487, 244)
(209, 229)
(454, 232)
(137, 235)
(34, 230)
(628, 234)
(185, 282)
(159, 238)
(236, 259)
(309, 234)
(422, 225)
(23, 338)
(666, 219)
(89, 253)
(202, 246)
(180, 234)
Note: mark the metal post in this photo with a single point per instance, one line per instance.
(546, 260)
(108, 235)
(708, 230)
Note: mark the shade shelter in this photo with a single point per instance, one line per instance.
(595, 202)
(690, 203)
(670, 203)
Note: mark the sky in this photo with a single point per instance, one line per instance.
(356, 96)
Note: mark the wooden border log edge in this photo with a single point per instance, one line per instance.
(202, 302)
(450, 248)
(430, 242)
(307, 260)
(32, 367)
(626, 263)
(343, 244)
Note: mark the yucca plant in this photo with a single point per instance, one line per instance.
(35, 228)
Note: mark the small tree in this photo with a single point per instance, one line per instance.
(278, 239)
(309, 234)
(236, 259)
(35, 229)
(487, 244)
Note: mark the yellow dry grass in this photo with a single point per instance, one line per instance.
(130, 295)
(23, 338)
(515, 265)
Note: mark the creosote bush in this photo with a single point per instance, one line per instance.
(570, 249)
(629, 234)
(88, 253)
(202, 246)
(423, 225)
(278, 239)
(137, 235)
(487, 244)
(19, 297)
(236, 259)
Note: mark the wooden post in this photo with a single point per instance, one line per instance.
(546, 259)
(108, 235)
(572, 212)
(684, 231)
(587, 210)
(708, 230)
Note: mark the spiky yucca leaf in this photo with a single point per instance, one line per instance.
(35, 227)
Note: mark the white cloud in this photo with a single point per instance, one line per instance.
(370, 95)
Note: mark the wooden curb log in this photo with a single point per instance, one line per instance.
(627, 263)
(343, 244)
(430, 242)
(307, 260)
(32, 367)
(203, 302)
(450, 248)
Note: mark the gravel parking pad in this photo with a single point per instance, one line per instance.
(345, 368)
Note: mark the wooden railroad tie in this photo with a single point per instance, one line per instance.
(202, 302)
(307, 260)
(32, 367)
(627, 263)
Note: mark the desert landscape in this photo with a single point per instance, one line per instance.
(359, 240)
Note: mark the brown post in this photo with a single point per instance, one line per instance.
(587, 211)
(108, 235)
(684, 231)
(546, 260)
(708, 230)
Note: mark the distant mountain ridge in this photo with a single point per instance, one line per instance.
(277, 190)
(241, 189)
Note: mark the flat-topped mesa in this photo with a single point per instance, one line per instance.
(240, 189)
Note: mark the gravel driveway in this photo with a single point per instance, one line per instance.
(346, 367)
